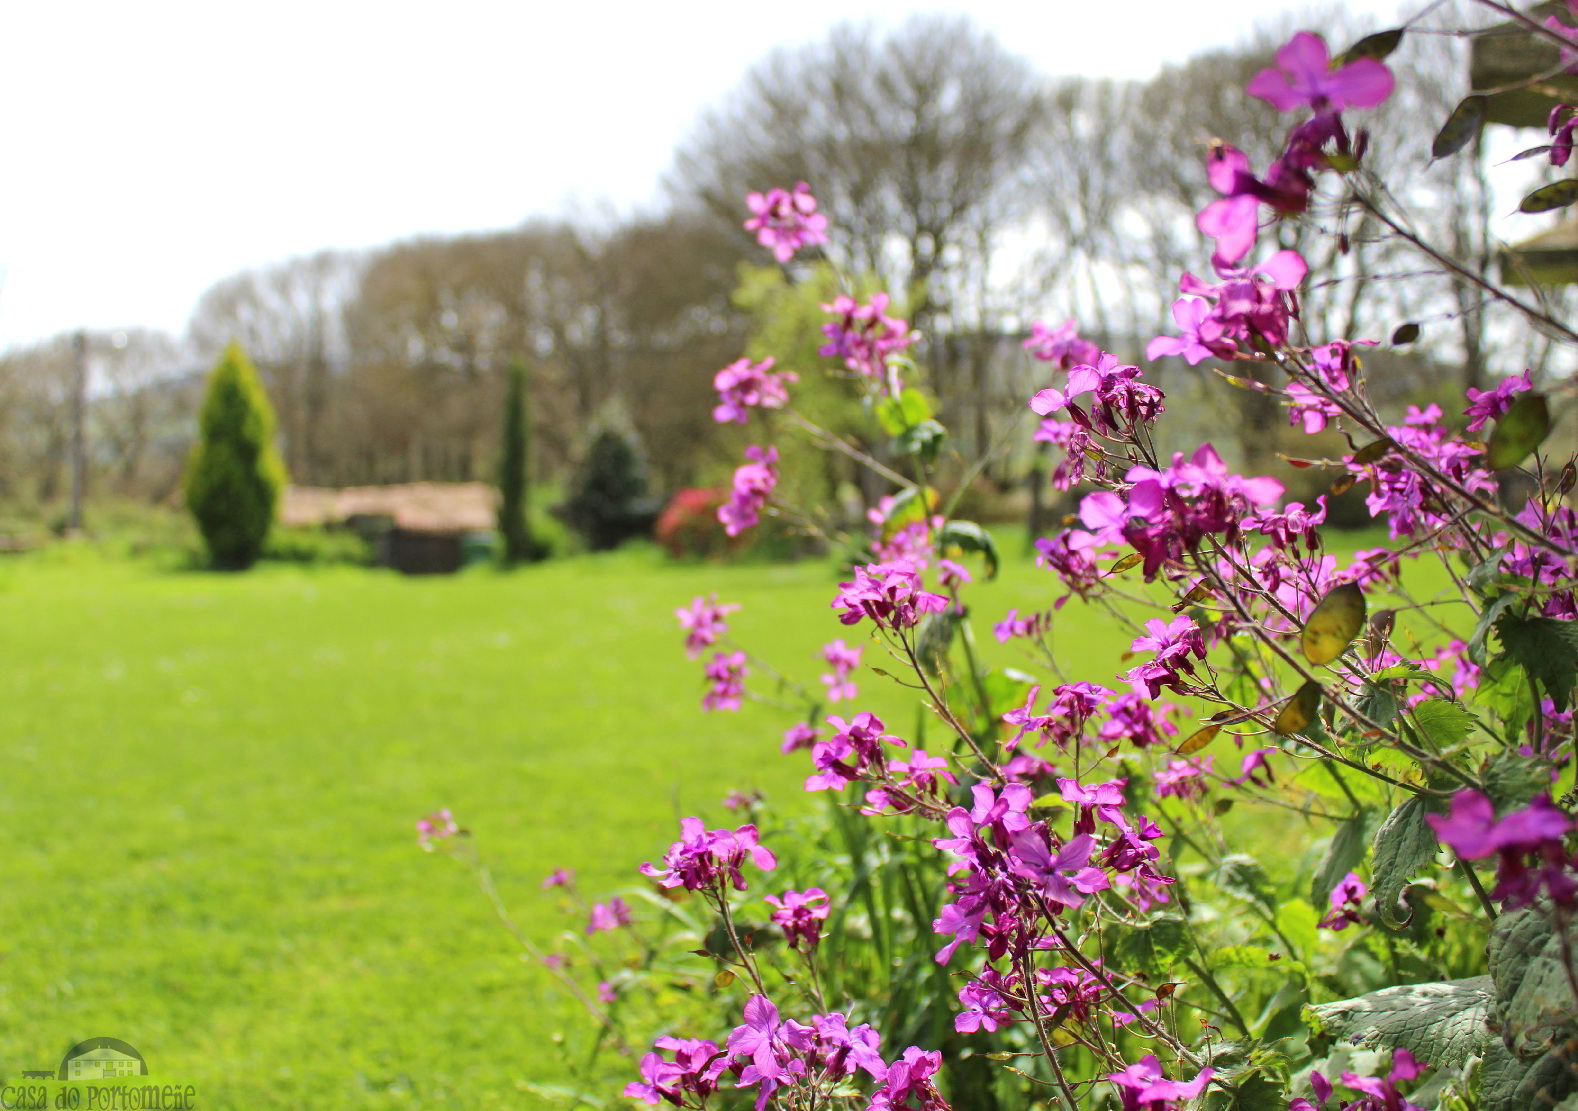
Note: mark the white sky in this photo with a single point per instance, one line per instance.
(150, 149)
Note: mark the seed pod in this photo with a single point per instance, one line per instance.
(1405, 333)
(1558, 194)
(1374, 452)
(1377, 46)
(1333, 624)
(1461, 126)
(1343, 485)
(1380, 632)
(1198, 740)
(1299, 711)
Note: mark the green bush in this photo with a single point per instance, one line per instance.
(607, 501)
(235, 476)
(317, 547)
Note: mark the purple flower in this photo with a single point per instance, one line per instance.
(726, 671)
(1347, 899)
(771, 1046)
(1303, 76)
(609, 916)
(743, 385)
(799, 735)
(843, 660)
(888, 593)
(754, 482)
(437, 826)
(1530, 846)
(560, 877)
(1061, 345)
(1144, 1087)
(864, 335)
(1488, 405)
(694, 1071)
(909, 1085)
(702, 859)
(800, 914)
(1183, 779)
(786, 221)
(703, 623)
(1063, 877)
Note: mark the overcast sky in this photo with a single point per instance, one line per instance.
(151, 149)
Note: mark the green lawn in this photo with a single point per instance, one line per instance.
(211, 781)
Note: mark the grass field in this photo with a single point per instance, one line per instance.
(210, 784)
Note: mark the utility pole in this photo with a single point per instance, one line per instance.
(79, 414)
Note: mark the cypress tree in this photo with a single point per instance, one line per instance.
(514, 480)
(235, 476)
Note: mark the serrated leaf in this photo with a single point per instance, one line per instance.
(1511, 779)
(1533, 993)
(1404, 844)
(1445, 723)
(1244, 877)
(1154, 946)
(1443, 1023)
(1255, 1092)
(1465, 122)
(1343, 854)
(1558, 194)
(1332, 624)
(1479, 639)
(1197, 740)
(1297, 713)
(967, 536)
(1547, 649)
(1521, 429)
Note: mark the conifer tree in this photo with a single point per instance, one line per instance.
(235, 476)
(514, 477)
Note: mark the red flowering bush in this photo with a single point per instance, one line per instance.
(688, 526)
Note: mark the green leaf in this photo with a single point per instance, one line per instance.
(1444, 722)
(1343, 854)
(899, 414)
(1520, 430)
(933, 639)
(1299, 923)
(967, 536)
(1155, 946)
(1007, 689)
(1404, 844)
(1479, 639)
(1244, 877)
(1441, 1023)
(1547, 649)
(1512, 780)
(1256, 1092)
(910, 505)
(924, 440)
(1534, 997)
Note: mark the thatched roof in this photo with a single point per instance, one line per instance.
(416, 506)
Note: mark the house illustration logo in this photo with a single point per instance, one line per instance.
(101, 1059)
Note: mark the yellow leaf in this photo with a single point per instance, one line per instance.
(1333, 624)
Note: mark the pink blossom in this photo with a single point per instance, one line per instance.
(1303, 76)
(786, 221)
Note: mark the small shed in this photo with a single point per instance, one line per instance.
(419, 528)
